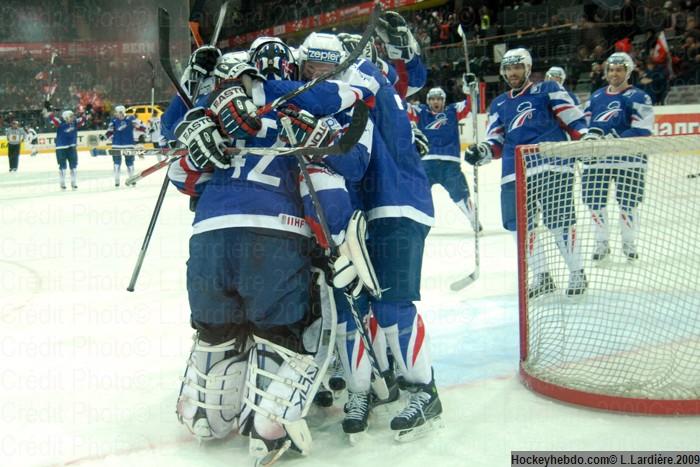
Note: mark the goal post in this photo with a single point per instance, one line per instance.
(625, 334)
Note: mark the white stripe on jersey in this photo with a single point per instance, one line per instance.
(441, 157)
(323, 180)
(646, 112)
(284, 222)
(400, 211)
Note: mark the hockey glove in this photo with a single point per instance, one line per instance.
(237, 73)
(593, 134)
(468, 81)
(200, 135)
(422, 143)
(203, 60)
(397, 37)
(308, 131)
(47, 106)
(478, 154)
(235, 112)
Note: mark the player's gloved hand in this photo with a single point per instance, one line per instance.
(397, 37)
(238, 73)
(200, 135)
(235, 112)
(102, 137)
(478, 154)
(593, 134)
(203, 60)
(468, 80)
(421, 141)
(307, 130)
(47, 106)
(351, 268)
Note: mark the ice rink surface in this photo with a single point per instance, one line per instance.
(89, 372)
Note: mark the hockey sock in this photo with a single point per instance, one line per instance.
(536, 260)
(600, 225)
(379, 343)
(406, 336)
(353, 356)
(117, 170)
(569, 247)
(62, 177)
(74, 177)
(629, 225)
(130, 170)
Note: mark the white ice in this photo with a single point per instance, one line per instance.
(89, 372)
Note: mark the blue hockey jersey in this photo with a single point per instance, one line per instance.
(540, 112)
(624, 114)
(66, 133)
(395, 184)
(441, 129)
(122, 131)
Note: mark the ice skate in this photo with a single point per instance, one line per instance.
(630, 250)
(602, 250)
(543, 284)
(577, 283)
(421, 415)
(356, 414)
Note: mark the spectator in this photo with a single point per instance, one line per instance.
(597, 79)
(652, 80)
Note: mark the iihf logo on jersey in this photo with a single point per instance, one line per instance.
(525, 111)
(440, 120)
(610, 113)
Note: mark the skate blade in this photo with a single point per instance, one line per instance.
(405, 436)
(273, 456)
(356, 438)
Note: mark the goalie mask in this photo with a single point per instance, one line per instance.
(320, 53)
(275, 61)
(515, 57)
(556, 73)
(620, 58)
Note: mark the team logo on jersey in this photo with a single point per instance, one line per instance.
(525, 111)
(610, 113)
(122, 126)
(440, 120)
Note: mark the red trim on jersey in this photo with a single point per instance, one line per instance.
(191, 179)
(420, 336)
(401, 85)
(467, 108)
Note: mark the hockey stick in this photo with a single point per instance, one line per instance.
(51, 89)
(164, 52)
(212, 41)
(474, 275)
(350, 137)
(379, 382)
(345, 64)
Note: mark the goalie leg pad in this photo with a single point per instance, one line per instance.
(212, 386)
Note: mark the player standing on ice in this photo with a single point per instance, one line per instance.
(66, 140)
(442, 162)
(557, 74)
(121, 132)
(532, 113)
(618, 110)
(399, 221)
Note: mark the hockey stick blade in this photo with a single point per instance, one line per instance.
(467, 281)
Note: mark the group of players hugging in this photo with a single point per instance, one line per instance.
(288, 256)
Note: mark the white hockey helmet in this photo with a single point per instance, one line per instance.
(234, 57)
(67, 114)
(120, 110)
(322, 48)
(350, 41)
(515, 57)
(556, 72)
(620, 58)
(436, 92)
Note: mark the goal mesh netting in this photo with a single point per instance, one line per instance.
(631, 340)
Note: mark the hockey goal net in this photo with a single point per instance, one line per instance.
(625, 334)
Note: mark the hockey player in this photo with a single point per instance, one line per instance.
(557, 74)
(618, 110)
(532, 113)
(121, 132)
(399, 220)
(66, 140)
(442, 162)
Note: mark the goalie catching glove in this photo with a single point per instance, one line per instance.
(397, 37)
(200, 135)
(307, 130)
(352, 268)
(478, 154)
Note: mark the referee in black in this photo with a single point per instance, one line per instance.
(15, 136)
